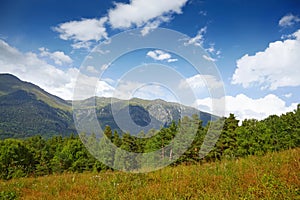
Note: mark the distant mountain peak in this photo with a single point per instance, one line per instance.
(10, 76)
(10, 83)
(9, 80)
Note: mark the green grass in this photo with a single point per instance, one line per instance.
(274, 176)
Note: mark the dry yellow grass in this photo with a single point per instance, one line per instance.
(274, 176)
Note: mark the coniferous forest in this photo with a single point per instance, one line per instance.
(36, 156)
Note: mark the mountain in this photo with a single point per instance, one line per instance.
(10, 84)
(135, 115)
(27, 110)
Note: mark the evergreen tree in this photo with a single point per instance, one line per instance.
(226, 145)
(16, 160)
(124, 159)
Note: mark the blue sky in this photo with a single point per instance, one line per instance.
(254, 44)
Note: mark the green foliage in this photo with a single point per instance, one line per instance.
(72, 157)
(27, 110)
(273, 176)
(16, 160)
(36, 156)
(23, 115)
(8, 195)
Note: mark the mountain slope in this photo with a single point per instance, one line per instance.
(136, 114)
(10, 83)
(27, 110)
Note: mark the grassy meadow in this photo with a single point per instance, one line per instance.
(273, 176)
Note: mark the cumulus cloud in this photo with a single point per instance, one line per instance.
(126, 89)
(161, 55)
(83, 31)
(288, 20)
(58, 57)
(82, 45)
(201, 81)
(139, 12)
(92, 69)
(158, 55)
(153, 91)
(151, 25)
(245, 107)
(276, 66)
(29, 67)
(88, 86)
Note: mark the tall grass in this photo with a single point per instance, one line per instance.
(273, 176)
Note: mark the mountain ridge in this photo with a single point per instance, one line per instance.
(27, 110)
(10, 83)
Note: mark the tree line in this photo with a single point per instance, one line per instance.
(36, 156)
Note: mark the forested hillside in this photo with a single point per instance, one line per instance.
(27, 110)
(37, 156)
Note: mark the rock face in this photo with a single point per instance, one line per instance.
(137, 115)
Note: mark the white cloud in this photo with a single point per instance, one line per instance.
(209, 58)
(288, 20)
(82, 45)
(126, 89)
(139, 12)
(172, 60)
(288, 95)
(58, 57)
(109, 81)
(201, 81)
(245, 107)
(92, 69)
(158, 55)
(149, 26)
(161, 55)
(88, 86)
(105, 66)
(276, 66)
(198, 39)
(153, 92)
(29, 67)
(103, 89)
(212, 51)
(82, 32)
